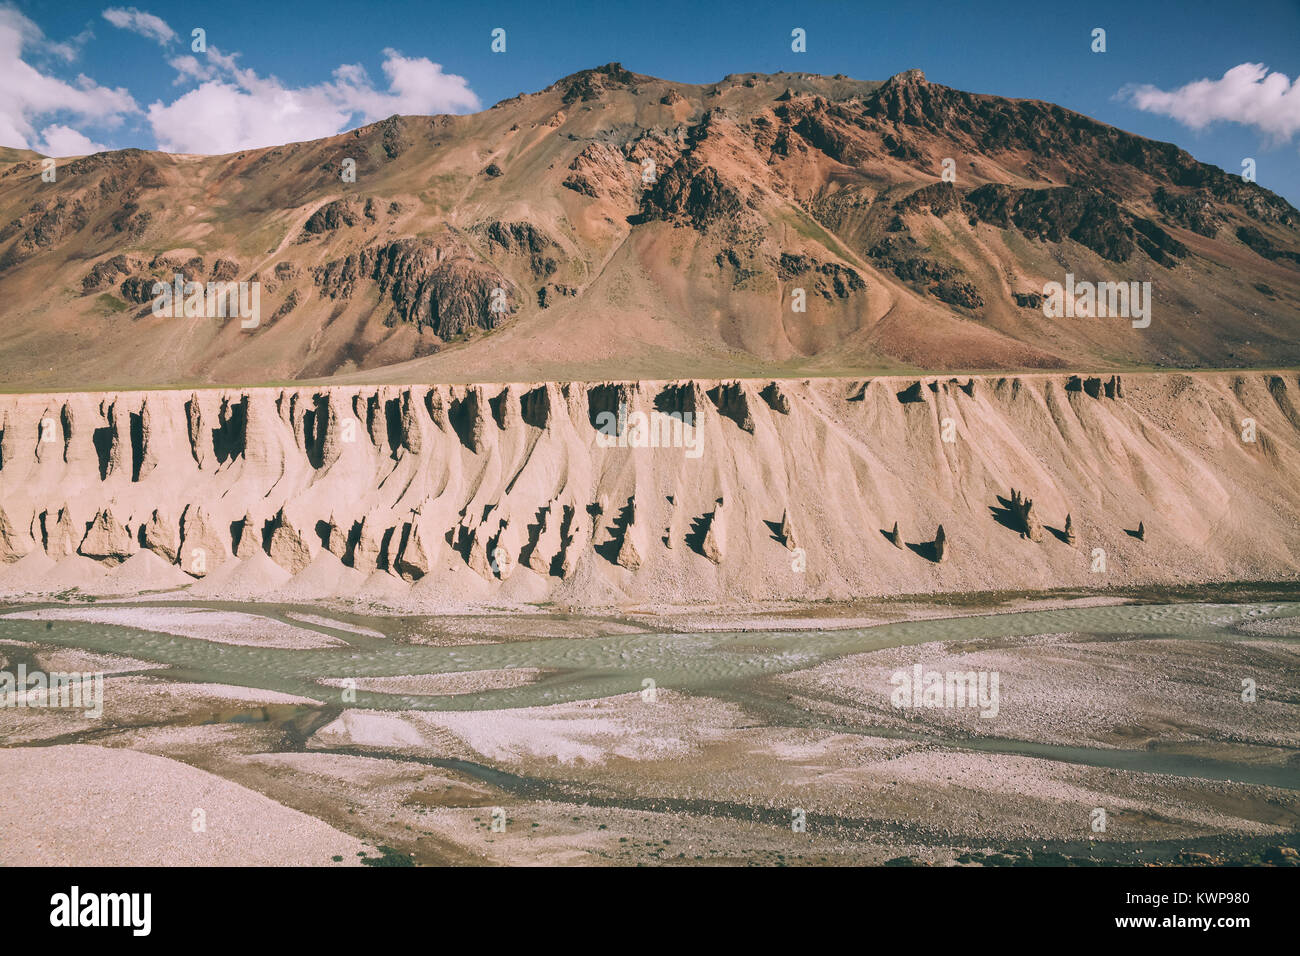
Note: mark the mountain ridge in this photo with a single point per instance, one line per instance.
(643, 228)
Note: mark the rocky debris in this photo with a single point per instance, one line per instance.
(1028, 300)
(110, 272)
(602, 172)
(160, 536)
(1069, 531)
(1022, 514)
(671, 98)
(435, 284)
(338, 214)
(587, 85)
(548, 294)
(203, 547)
(940, 546)
(14, 542)
(938, 199)
(1262, 245)
(286, 271)
(522, 239)
(107, 539)
(732, 401)
(787, 531)
(902, 256)
(289, 548)
(776, 399)
(1073, 212)
(957, 292)
(1196, 211)
(57, 534)
(695, 193)
(830, 280)
(715, 536)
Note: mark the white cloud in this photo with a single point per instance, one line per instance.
(1247, 94)
(58, 140)
(30, 95)
(234, 108)
(138, 21)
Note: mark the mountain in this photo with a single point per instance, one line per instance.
(639, 228)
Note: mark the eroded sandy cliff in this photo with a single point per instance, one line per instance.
(441, 496)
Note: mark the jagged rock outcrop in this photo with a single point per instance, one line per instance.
(194, 428)
(413, 558)
(436, 284)
(629, 553)
(715, 536)
(142, 438)
(787, 531)
(1069, 531)
(548, 542)
(941, 553)
(732, 401)
(894, 538)
(203, 545)
(14, 542)
(776, 399)
(247, 536)
(161, 536)
(57, 533)
(1022, 514)
(336, 539)
(289, 547)
(367, 550)
(1141, 534)
(107, 539)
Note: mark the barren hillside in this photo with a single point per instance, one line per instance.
(645, 229)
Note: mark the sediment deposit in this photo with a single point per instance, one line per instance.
(436, 496)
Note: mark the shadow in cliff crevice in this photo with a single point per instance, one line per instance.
(103, 441)
(617, 531)
(136, 428)
(925, 549)
(228, 438)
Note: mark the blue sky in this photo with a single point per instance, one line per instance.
(76, 78)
